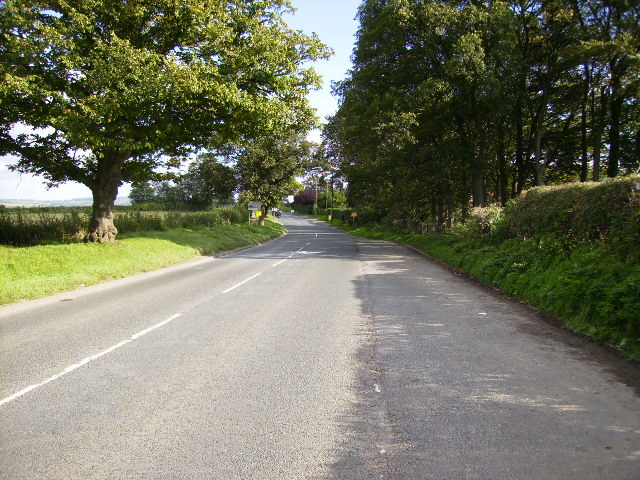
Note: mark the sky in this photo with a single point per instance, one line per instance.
(333, 21)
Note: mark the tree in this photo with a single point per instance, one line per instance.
(107, 92)
(307, 196)
(266, 168)
(141, 193)
(457, 103)
(208, 181)
(158, 192)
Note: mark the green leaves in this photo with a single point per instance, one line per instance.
(453, 104)
(127, 87)
(152, 77)
(266, 167)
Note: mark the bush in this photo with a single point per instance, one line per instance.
(607, 211)
(484, 221)
(234, 214)
(139, 221)
(29, 229)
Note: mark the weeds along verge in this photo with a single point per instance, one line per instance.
(27, 228)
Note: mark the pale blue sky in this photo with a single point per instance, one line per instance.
(333, 21)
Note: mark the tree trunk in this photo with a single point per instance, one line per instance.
(449, 215)
(539, 164)
(617, 99)
(584, 161)
(440, 215)
(597, 129)
(503, 181)
(105, 191)
(597, 142)
(521, 168)
(477, 179)
(265, 211)
(478, 163)
(638, 143)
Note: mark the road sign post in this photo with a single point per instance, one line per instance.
(254, 207)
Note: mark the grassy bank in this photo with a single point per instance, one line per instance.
(40, 270)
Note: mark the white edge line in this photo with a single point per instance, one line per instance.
(87, 360)
(241, 283)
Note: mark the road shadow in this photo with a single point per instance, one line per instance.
(443, 388)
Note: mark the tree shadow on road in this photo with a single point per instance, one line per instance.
(455, 381)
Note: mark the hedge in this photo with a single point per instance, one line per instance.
(608, 211)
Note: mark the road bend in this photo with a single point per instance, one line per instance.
(314, 356)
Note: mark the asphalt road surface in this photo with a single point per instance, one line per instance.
(315, 356)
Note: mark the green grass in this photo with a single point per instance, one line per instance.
(589, 288)
(37, 271)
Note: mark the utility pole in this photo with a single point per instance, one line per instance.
(326, 196)
(330, 217)
(315, 203)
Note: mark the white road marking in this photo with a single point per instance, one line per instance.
(376, 388)
(87, 360)
(274, 265)
(242, 282)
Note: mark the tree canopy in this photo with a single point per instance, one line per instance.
(452, 101)
(267, 166)
(102, 92)
(207, 182)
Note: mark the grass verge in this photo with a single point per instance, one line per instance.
(37, 271)
(588, 288)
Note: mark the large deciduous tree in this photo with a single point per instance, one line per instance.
(208, 182)
(102, 92)
(267, 166)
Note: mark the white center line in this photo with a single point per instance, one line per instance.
(274, 265)
(241, 283)
(292, 254)
(86, 360)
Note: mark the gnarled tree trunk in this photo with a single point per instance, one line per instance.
(105, 190)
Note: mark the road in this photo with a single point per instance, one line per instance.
(315, 356)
